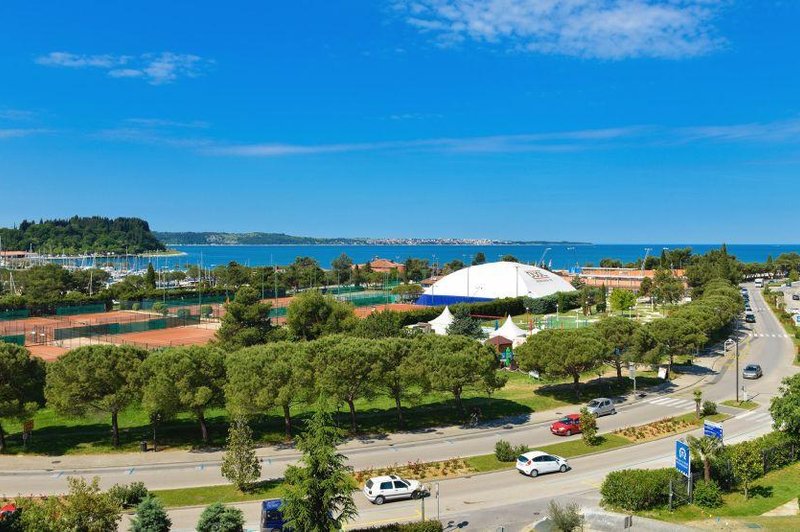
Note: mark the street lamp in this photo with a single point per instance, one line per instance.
(736, 341)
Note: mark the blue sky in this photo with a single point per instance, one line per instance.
(597, 120)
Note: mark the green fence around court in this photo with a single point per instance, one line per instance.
(74, 310)
(105, 329)
(369, 299)
(277, 312)
(18, 314)
(188, 301)
(18, 339)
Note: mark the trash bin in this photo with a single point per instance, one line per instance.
(143, 446)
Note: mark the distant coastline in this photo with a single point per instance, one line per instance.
(281, 239)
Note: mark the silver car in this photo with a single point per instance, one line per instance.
(601, 407)
(752, 371)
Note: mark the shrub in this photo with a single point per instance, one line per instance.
(709, 408)
(151, 517)
(129, 495)
(707, 494)
(206, 311)
(565, 518)
(220, 518)
(505, 452)
(183, 313)
(589, 427)
(638, 489)
(136, 306)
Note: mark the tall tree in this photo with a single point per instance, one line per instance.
(100, 378)
(398, 373)
(667, 289)
(246, 321)
(150, 277)
(619, 333)
(675, 336)
(22, 379)
(342, 268)
(563, 353)
(747, 463)
(381, 324)
(311, 315)
(346, 370)
(454, 364)
(184, 379)
(318, 493)
(267, 376)
(240, 464)
(622, 300)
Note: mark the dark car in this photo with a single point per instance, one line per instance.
(796, 297)
(567, 425)
(752, 371)
(750, 318)
(272, 517)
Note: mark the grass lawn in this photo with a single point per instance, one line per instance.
(769, 492)
(210, 494)
(746, 405)
(57, 435)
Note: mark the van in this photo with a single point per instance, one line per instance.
(759, 282)
(272, 517)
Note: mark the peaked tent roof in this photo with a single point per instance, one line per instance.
(508, 330)
(440, 323)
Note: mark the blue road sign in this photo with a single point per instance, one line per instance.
(712, 429)
(682, 458)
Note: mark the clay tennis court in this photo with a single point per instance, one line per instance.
(48, 353)
(121, 316)
(41, 330)
(175, 336)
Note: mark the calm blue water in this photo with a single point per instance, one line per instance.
(562, 256)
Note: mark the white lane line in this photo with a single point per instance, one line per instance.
(672, 402)
(746, 414)
(763, 417)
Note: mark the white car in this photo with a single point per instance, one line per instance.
(389, 488)
(535, 463)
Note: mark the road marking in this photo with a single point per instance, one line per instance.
(672, 402)
(746, 414)
(449, 441)
(659, 401)
(201, 467)
(131, 470)
(763, 417)
(58, 475)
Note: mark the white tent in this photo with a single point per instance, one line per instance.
(509, 330)
(440, 323)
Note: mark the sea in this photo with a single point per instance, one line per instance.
(557, 256)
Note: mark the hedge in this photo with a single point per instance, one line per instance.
(638, 489)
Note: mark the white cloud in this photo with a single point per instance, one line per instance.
(12, 133)
(606, 29)
(156, 69)
(161, 122)
(16, 115)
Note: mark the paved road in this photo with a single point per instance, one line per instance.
(486, 501)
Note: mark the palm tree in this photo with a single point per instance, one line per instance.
(704, 449)
(698, 398)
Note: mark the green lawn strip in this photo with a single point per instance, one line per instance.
(746, 405)
(772, 490)
(768, 524)
(56, 435)
(227, 493)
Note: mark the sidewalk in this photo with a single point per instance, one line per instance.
(10, 465)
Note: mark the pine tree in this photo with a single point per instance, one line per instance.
(240, 464)
(220, 518)
(151, 517)
(319, 493)
(150, 277)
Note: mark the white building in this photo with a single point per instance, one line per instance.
(493, 280)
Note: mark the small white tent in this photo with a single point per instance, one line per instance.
(509, 330)
(440, 323)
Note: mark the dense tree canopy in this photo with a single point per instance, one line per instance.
(101, 378)
(246, 321)
(311, 315)
(82, 234)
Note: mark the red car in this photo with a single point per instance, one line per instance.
(567, 425)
